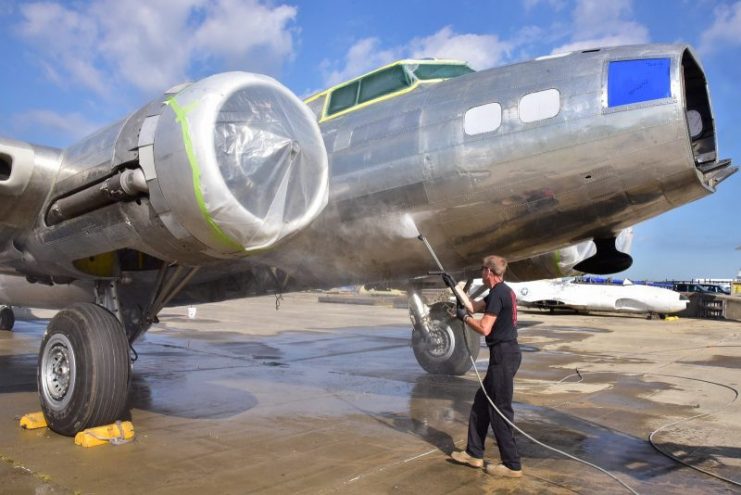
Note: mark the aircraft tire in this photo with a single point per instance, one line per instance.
(7, 318)
(83, 370)
(448, 353)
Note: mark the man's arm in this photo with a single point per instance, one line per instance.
(471, 306)
(482, 326)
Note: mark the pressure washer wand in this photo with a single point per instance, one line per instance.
(449, 280)
(434, 256)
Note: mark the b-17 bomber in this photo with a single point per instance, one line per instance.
(231, 186)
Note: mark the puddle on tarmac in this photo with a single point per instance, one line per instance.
(719, 361)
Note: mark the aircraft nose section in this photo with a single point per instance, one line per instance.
(701, 124)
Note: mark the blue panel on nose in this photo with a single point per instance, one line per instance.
(634, 81)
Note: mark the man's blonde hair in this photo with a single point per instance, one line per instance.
(497, 264)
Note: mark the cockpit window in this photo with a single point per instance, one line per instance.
(343, 98)
(382, 83)
(439, 71)
(400, 77)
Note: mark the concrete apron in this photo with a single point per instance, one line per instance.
(327, 398)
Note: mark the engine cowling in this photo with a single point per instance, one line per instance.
(256, 164)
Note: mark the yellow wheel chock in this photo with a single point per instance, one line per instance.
(32, 421)
(117, 433)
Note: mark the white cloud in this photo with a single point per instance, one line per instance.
(154, 45)
(67, 39)
(597, 23)
(234, 27)
(481, 51)
(71, 125)
(362, 56)
(554, 4)
(725, 30)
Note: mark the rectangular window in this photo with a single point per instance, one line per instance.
(440, 71)
(540, 106)
(484, 118)
(343, 98)
(382, 83)
(634, 81)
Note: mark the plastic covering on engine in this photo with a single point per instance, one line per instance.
(258, 167)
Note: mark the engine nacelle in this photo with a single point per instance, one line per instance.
(221, 168)
(240, 163)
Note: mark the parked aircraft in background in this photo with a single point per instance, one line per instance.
(628, 298)
(231, 186)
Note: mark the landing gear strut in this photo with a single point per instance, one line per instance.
(84, 362)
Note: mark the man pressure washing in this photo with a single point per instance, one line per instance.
(499, 326)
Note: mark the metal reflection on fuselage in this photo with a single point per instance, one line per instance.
(608, 158)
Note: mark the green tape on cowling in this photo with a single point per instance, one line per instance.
(556, 260)
(181, 118)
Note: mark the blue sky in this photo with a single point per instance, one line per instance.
(72, 67)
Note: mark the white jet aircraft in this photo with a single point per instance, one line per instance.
(628, 298)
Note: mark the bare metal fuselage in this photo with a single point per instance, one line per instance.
(521, 190)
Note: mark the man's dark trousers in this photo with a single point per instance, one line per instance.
(504, 361)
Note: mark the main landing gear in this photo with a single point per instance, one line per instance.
(441, 343)
(84, 368)
(84, 363)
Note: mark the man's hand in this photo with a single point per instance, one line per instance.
(461, 313)
(449, 280)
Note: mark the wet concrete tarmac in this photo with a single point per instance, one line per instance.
(327, 398)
